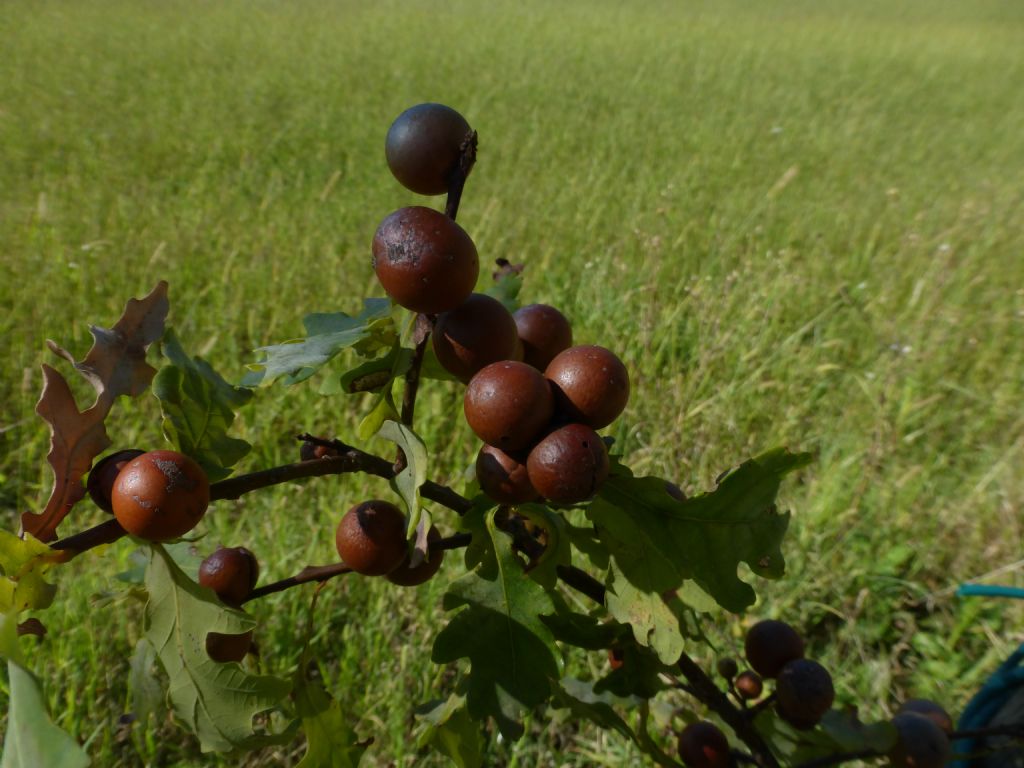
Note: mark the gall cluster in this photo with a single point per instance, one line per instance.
(532, 398)
(803, 694)
(536, 402)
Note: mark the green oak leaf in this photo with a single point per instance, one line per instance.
(512, 653)
(326, 335)
(407, 482)
(654, 623)
(648, 745)
(216, 701)
(32, 739)
(23, 567)
(791, 745)
(144, 684)
(696, 598)
(480, 552)
(331, 741)
(583, 630)
(558, 549)
(432, 368)
(452, 732)
(372, 375)
(506, 290)
(639, 675)
(583, 701)
(198, 408)
(383, 410)
(849, 734)
(184, 553)
(658, 541)
(381, 331)
(9, 648)
(586, 540)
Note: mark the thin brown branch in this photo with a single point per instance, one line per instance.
(446, 497)
(459, 175)
(311, 573)
(706, 691)
(420, 337)
(582, 582)
(350, 460)
(455, 541)
(425, 323)
(106, 532)
(321, 573)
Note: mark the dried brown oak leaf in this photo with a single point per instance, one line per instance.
(76, 438)
(116, 365)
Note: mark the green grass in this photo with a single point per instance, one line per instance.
(798, 222)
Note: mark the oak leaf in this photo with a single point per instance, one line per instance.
(116, 365)
(76, 438)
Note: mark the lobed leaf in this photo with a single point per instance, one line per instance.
(452, 732)
(580, 698)
(32, 739)
(24, 563)
(792, 746)
(583, 630)
(76, 438)
(507, 285)
(331, 741)
(479, 554)
(383, 410)
(654, 623)
(512, 653)
(641, 675)
(116, 363)
(216, 701)
(849, 734)
(558, 546)
(372, 375)
(198, 408)
(326, 335)
(658, 541)
(407, 482)
(144, 685)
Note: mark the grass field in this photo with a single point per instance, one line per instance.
(799, 223)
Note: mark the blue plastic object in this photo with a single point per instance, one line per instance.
(1003, 684)
(989, 590)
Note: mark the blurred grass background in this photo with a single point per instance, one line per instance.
(798, 222)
